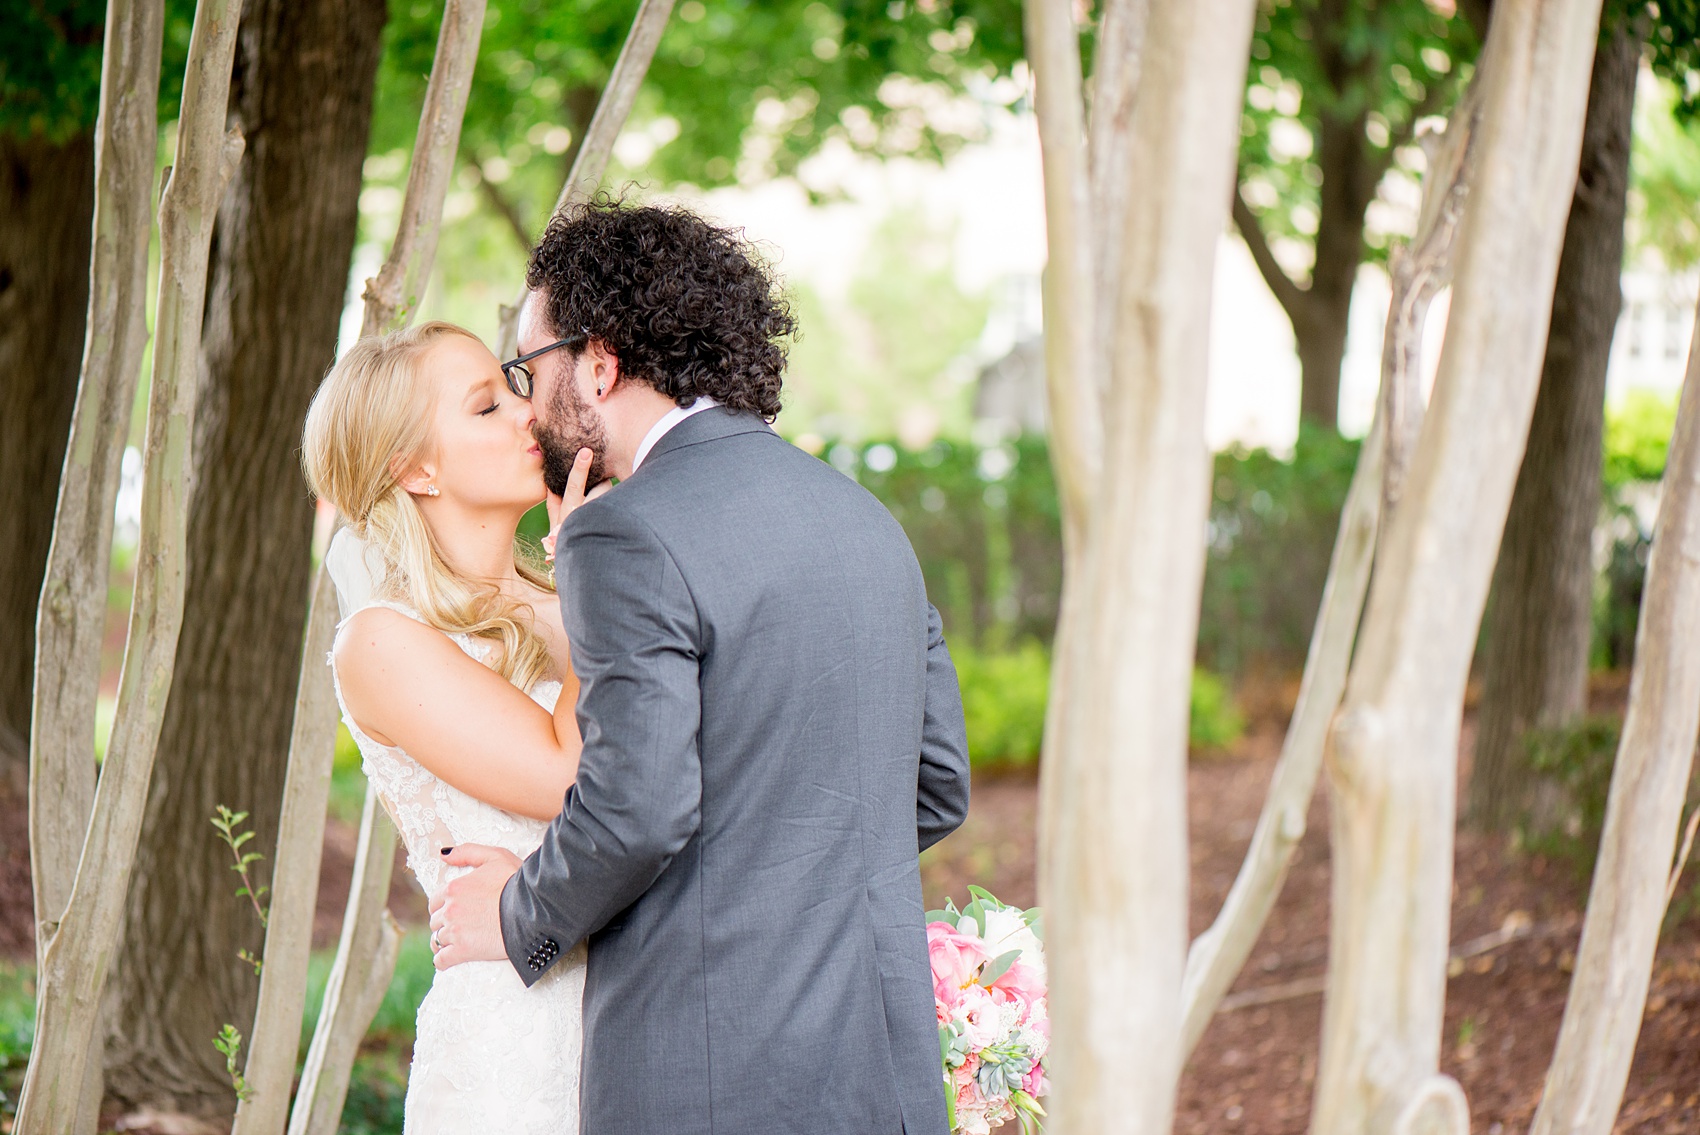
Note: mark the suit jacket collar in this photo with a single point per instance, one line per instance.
(710, 425)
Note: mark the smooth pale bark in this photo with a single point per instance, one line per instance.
(1073, 359)
(392, 296)
(1218, 954)
(1418, 272)
(1113, 166)
(276, 1033)
(1534, 669)
(1116, 864)
(591, 160)
(365, 959)
(76, 961)
(71, 617)
(1075, 367)
(1626, 903)
(366, 953)
(1393, 748)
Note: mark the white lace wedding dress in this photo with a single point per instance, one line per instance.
(490, 1055)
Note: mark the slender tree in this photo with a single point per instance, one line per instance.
(1540, 620)
(1418, 271)
(1633, 878)
(285, 233)
(1336, 88)
(1114, 836)
(49, 77)
(1393, 746)
(79, 955)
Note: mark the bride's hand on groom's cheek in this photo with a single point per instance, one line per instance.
(466, 916)
(575, 495)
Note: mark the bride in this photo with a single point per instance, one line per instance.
(455, 682)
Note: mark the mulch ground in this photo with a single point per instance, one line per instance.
(1254, 1071)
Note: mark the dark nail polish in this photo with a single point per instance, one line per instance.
(446, 850)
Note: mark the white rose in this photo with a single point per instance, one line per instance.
(1007, 930)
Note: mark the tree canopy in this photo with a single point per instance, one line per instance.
(50, 64)
(1382, 67)
(737, 86)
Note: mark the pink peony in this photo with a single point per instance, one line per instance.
(1020, 982)
(955, 958)
(1034, 1083)
(980, 1017)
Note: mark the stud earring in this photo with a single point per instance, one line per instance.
(599, 392)
(432, 491)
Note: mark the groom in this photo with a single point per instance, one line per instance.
(772, 726)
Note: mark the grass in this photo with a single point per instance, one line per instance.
(348, 783)
(17, 1030)
(377, 1089)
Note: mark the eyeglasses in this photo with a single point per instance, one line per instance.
(519, 376)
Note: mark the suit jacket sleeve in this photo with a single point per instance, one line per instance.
(637, 799)
(942, 802)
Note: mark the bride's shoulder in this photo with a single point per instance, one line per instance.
(382, 639)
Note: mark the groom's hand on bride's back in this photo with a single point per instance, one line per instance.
(466, 915)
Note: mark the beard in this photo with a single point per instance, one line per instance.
(573, 425)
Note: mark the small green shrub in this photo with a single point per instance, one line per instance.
(1216, 721)
(1271, 532)
(1003, 698)
(1004, 695)
(1637, 436)
(1577, 762)
(17, 1031)
(348, 783)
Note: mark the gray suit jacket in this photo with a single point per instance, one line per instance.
(772, 731)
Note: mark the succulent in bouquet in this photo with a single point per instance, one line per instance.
(988, 963)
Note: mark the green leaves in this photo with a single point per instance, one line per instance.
(228, 824)
(1368, 70)
(50, 64)
(758, 84)
(998, 966)
(229, 1042)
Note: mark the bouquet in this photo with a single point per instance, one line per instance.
(989, 992)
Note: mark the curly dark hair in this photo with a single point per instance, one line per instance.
(687, 307)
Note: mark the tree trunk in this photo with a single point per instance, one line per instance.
(72, 980)
(302, 92)
(1633, 881)
(1535, 672)
(1114, 867)
(46, 206)
(1393, 746)
(1319, 329)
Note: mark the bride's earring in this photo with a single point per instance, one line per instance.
(432, 491)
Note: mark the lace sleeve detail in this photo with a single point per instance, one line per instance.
(402, 785)
(428, 813)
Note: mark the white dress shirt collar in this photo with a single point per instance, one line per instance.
(668, 420)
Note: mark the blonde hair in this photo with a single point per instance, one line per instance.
(369, 425)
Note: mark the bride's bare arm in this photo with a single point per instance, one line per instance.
(409, 685)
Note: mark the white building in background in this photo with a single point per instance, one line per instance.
(1650, 350)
